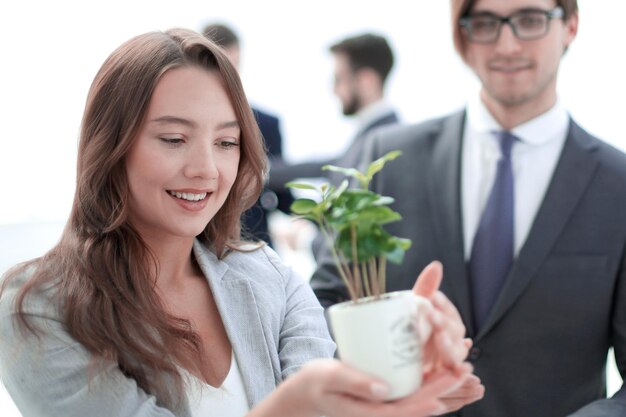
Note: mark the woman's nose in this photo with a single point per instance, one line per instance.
(201, 162)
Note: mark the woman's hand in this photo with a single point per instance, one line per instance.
(331, 388)
(447, 346)
(470, 391)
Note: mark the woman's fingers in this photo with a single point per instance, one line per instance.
(452, 317)
(446, 344)
(422, 403)
(334, 376)
(470, 391)
(468, 343)
(338, 390)
(429, 280)
(427, 399)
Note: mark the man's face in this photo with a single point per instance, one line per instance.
(516, 72)
(346, 85)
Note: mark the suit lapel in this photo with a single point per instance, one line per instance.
(571, 177)
(238, 309)
(444, 195)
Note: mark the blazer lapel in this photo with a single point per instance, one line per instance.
(444, 194)
(238, 309)
(571, 177)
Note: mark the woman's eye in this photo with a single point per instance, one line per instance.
(172, 141)
(227, 144)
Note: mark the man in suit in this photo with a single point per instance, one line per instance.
(362, 64)
(255, 220)
(527, 212)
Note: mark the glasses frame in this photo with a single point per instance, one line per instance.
(466, 23)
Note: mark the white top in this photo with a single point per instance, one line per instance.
(534, 158)
(229, 400)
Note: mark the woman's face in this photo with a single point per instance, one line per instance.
(184, 160)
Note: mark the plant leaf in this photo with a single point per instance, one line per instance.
(378, 164)
(303, 206)
(301, 186)
(345, 214)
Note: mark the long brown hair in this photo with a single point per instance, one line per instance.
(103, 270)
(461, 8)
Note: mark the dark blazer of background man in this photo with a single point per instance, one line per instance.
(541, 352)
(255, 220)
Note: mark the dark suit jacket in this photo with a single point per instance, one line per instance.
(542, 350)
(254, 220)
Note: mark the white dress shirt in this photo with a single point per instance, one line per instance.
(534, 157)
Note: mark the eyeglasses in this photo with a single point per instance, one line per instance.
(527, 24)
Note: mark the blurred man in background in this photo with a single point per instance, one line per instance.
(362, 64)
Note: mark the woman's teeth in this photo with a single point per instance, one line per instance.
(188, 196)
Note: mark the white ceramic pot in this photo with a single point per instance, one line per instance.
(384, 338)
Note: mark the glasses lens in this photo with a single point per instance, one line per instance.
(483, 28)
(530, 25)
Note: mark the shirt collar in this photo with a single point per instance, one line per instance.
(372, 112)
(549, 125)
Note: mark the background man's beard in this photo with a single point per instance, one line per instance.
(351, 107)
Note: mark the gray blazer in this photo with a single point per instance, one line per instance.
(543, 349)
(271, 316)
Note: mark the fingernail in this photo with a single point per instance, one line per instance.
(441, 409)
(379, 390)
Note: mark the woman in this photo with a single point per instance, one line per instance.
(150, 305)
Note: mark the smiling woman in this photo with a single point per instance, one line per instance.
(151, 304)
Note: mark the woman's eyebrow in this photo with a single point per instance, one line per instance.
(226, 125)
(190, 123)
(174, 120)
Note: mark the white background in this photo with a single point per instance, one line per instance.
(51, 50)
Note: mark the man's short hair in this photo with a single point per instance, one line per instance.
(221, 34)
(367, 51)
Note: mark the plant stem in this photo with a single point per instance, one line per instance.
(382, 272)
(366, 280)
(338, 263)
(371, 264)
(358, 287)
(355, 260)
